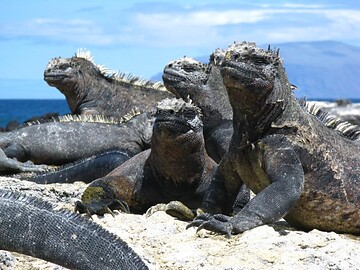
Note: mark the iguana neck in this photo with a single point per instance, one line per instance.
(77, 95)
(92, 92)
(74, 97)
(219, 107)
(275, 110)
(178, 163)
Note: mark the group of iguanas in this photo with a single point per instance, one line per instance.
(194, 146)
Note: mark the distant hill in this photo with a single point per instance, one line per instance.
(320, 70)
(324, 69)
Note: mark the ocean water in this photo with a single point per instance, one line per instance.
(21, 110)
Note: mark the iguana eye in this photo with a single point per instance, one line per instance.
(189, 68)
(260, 61)
(236, 56)
(65, 67)
(189, 114)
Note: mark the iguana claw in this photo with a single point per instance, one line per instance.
(12, 165)
(216, 223)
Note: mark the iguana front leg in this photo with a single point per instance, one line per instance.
(286, 177)
(12, 165)
(100, 197)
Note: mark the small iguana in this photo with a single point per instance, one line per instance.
(94, 89)
(300, 167)
(73, 138)
(31, 226)
(202, 83)
(176, 168)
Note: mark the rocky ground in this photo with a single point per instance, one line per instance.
(164, 243)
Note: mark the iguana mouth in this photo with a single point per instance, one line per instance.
(172, 75)
(172, 124)
(241, 71)
(54, 77)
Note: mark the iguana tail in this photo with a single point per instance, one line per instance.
(85, 170)
(31, 226)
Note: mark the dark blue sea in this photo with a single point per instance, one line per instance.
(21, 110)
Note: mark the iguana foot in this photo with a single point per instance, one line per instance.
(12, 165)
(29, 166)
(175, 209)
(96, 200)
(217, 223)
(100, 208)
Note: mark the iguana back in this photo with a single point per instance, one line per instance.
(94, 89)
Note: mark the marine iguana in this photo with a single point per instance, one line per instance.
(58, 143)
(299, 168)
(201, 82)
(93, 89)
(176, 167)
(31, 226)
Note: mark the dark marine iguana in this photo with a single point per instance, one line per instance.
(31, 226)
(176, 167)
(297, 166)
(202, 83)
(68, 140)
(184, 77)
(93, 89)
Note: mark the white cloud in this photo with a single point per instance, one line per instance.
(351, 17)
(202, 18)
(342, 25)
(299, 5)
(190, 27)
(52, 29)
(198, 28)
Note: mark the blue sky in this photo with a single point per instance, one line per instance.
(141, 36)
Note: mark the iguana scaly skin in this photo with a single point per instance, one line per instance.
(176, 167)
(93, 89)
(58, 143)
(297, 166)
(85, 170)
(202, 83)
(31, 226)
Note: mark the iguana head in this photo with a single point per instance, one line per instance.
(184, 73)
(66, 73)
(253, 77)
(202, 83)
(175, 117)
(71, 77)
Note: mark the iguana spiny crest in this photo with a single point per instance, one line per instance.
(344, 128)
(83, 57)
